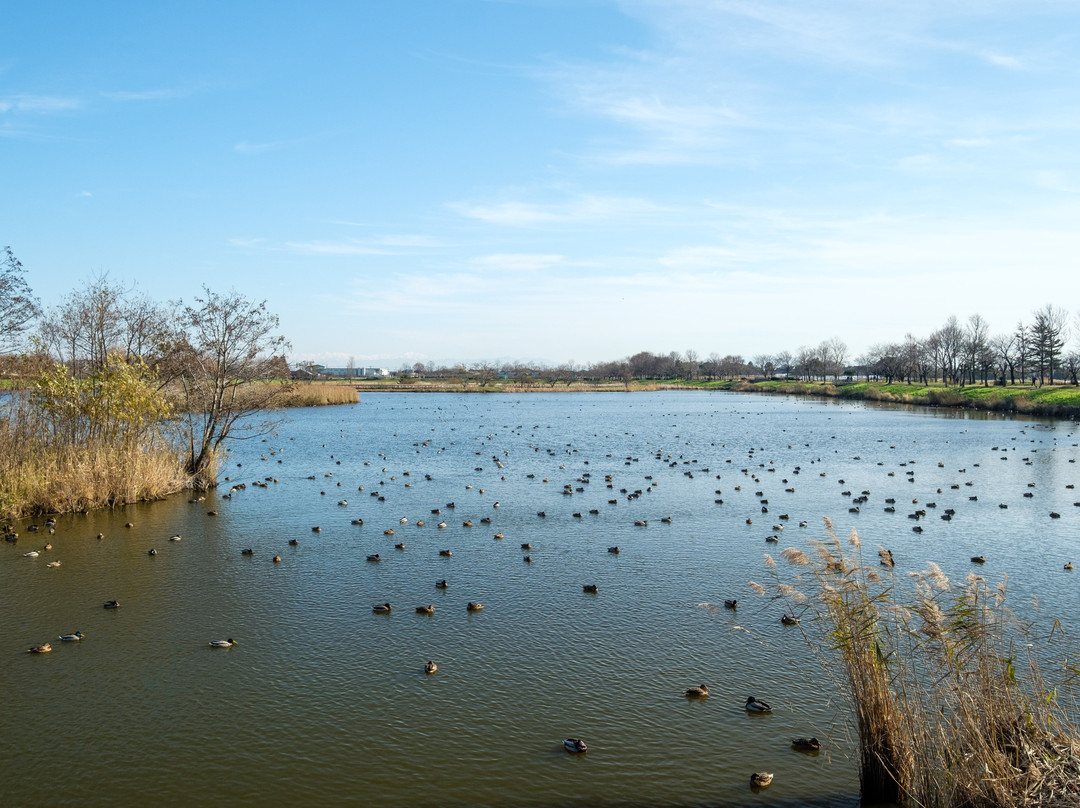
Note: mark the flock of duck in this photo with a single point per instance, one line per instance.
(753, 472)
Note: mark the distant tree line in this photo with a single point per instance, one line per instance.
(1035, 353)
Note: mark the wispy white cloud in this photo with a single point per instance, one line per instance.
(336, 248)
(409, 240)
(1056, 181)
(38, 104)
(1010, 62)
(575, 210)
(84, 193)
(160, 94)
(260, 148)
(518, 262)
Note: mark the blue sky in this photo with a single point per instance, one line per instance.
(461, 180)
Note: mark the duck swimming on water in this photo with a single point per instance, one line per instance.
(757, 706)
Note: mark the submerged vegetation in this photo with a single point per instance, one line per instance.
(944, 680)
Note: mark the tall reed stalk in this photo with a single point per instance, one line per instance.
(949, 700)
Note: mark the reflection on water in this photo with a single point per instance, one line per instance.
(324, 702)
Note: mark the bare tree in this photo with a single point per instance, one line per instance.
(105, 318)
(18, 306)
(783, 361)
(226, 367)
(1005, 348)
(484, 372)
(976, 348)
(691, 366)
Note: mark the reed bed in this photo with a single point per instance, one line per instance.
(316, 394)
(944, 680)
(39, 478)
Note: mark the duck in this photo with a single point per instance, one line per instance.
(498, 535)
(527, 559)
(381, 608)
(473, 607)
(731, 604)
(388, 532)
(31, 554)
(39, 649)
(1068, 565)
(591, 588)
(757, 706)
(175, 537)
(294, 543)
(441, 525)
(441, 584)
(399, 546)
(978, 559)
(374, 558)
(277, 559)
(430, 667)
(229, 643)
(78, 635)
(697, 692)
(151, 551)
(247, 551)
(789, 620)
(526, 546)
(111, 604)
(575, 745)
(760, 779)
(53, 564)
(806, 744)
(425, 609)
(445, 553)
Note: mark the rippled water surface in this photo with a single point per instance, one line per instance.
(324, 702)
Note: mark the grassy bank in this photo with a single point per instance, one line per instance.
(1058, 400)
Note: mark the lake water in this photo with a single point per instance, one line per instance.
(323, 702)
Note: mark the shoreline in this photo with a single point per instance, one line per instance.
(1052, 401)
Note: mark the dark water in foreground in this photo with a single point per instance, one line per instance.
(322, 702)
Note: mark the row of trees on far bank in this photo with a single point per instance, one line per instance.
(1035, 352)
(110, 366)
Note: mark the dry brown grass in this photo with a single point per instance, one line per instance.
(316, 394)
(37, 478)
(949, 700)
